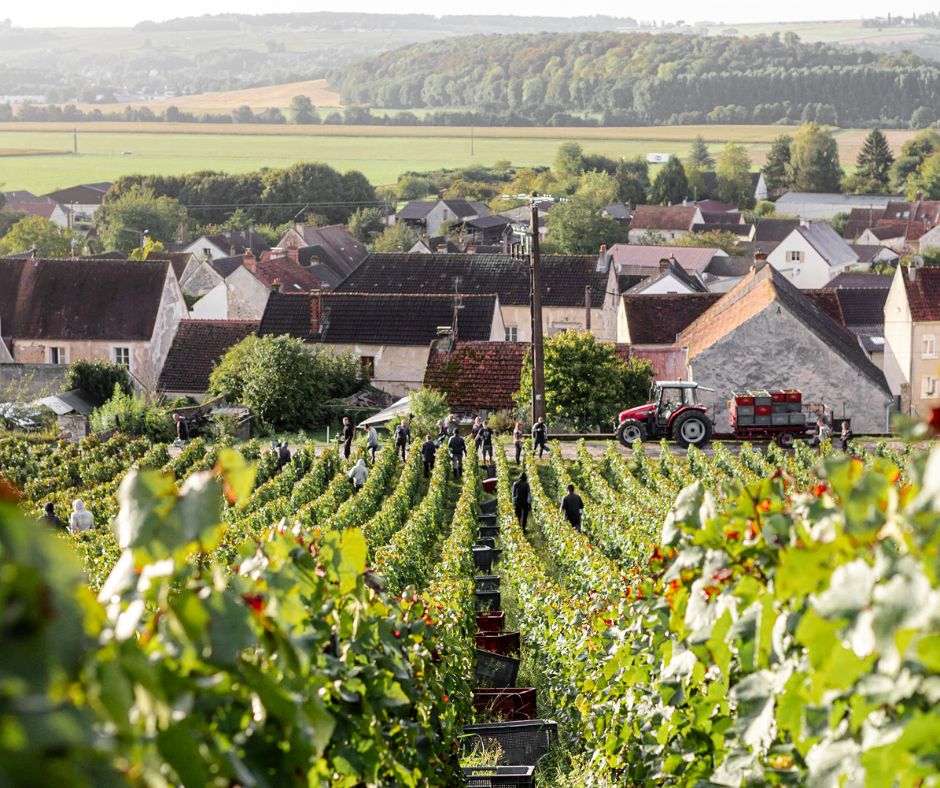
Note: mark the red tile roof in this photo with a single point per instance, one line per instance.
(663, 217)
(294, 278)
(691, 258)
(196, 349)
(658, 319)
(923, 293)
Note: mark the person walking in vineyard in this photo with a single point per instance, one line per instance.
(50, 518)
(572, 506)
(845, 436)
(539, 436)
(283, 455)
(485, 436)
(823, 432)
(347, 437)
(428, 453)
(475, 431)
(358, 475)
(522, 499)
(457, 447)
(517, 441)
(402, 438)
(81, 520)
(372, 441)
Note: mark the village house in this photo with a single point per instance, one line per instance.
(197, 348)
(29, 204)
(672, 278)
(900, 237)
(813, 206)
(812, 254)
(568, 282)
(332, 252)
(390, 333)
(430, 216)
(653, 224)
(912, 339)
(81, 202)
(766, 333)
(227, 244)
(648, 321)
(863, 313)
(60, 311)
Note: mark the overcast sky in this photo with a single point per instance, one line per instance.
(97, 13)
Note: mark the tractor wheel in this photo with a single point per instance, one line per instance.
(630, 432)
(785, 439)
(692, 429)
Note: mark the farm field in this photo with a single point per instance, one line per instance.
(109, 150)
(755, 601)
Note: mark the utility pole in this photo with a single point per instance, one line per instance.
(538, 364)
(74, 141)
(587, 307)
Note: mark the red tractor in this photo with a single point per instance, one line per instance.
(672, 412)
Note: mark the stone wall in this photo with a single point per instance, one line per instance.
(24, 382)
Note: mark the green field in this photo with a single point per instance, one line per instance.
(109, 150)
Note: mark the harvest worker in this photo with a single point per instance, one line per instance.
(49, 518)
(347, 436)
(372, 440)
(428, 453)
(845, 436)
(517, 440)
(522, 499)
(358, 475)
(283, 455)
(457, 448)
(485, 436)
(402, 437)
(539, 436)
(572, 506)
(81, 520)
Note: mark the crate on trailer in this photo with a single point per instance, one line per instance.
(744, 410)
(488, 507)
(487, 600)
(763, 410)
(794, 395)
(779, 418)
(762, 398)
(745, 421)
(742, 398)
(522, 743)
(763, 420)
(777, 397)
(490, 620)
(483, 558)
(499, 776)
(798, 419)
(486, 582)
(504, 643)
(495, 670)
(507, 703)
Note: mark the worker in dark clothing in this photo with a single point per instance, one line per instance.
(845, 436)
(428, 453)
(402, 438)
(522, 499)
(347, 437)
(457, 448)
(572, 506)
(283, 455)
(539, 436)
(50, 518)
(517, 441)
(485, 436)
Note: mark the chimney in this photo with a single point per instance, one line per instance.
(663, 264)
(912, 273)
(603, 260)
(294, 254)
(249, 260)
(276, 285)
(760, 260)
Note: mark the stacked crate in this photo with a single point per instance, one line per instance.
(763, 408)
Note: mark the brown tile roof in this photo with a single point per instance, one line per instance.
(179, 260)
(862, 306)
(80, 299)
(377, 318)
(856, 279)
(333, 246)
(758, 290)
(691, 258)
(294, 278)
(196, 349)
(828, 302)
(563, 277)
(923, 293)
(663, 217)
(860, 219)
(658, 319)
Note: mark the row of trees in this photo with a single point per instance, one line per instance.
(641, 78)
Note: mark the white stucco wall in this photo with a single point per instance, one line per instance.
(213, 305)
(930, 240)
(247, 296)
(925, 364)
(898, 339)
(399, 369)
(199, 279)
(668, 284)
(813, 272)
(773, 350)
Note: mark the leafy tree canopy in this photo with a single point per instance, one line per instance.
(123, 220)
(671, 185)
(35, 232)
(733, 173)
(98, 378)
(814, 160)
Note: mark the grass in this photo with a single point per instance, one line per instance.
(109, 150)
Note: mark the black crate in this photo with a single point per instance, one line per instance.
(483, 558)
(485, 541)
(488, 531)
(495, 670)
(487, 600)
(499, 776)
(486, 582)
(523, 742)
(488, 507)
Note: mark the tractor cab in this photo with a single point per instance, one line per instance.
(671, 395)
(672, 412)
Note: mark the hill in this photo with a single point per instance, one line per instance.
(640, 78)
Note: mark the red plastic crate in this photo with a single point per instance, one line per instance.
(508, 703)
(763, 410)
(505, 644)
(744, 399)
(490, 621)
(778, 396)
(794, 396)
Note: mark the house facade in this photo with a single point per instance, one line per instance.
(811, 255)
(663, 223)
(912, 339)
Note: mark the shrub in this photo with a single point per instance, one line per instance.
(98, 379)
(134, 415)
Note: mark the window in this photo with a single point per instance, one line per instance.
(367, 367)
(57, 355)
(122, 356)
(512, 334)
(930, 387)
(794, 257)
(930, 346)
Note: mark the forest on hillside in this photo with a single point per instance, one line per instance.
(640, 78)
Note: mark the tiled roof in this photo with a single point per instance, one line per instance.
(828, 303)
(758, 290)
(735, 228)
(917, 211)
(377, 318)
(923, 293)
(830, 245)
(462, 208)
(488, 222)
(38, 207)
(691, 258)
(333, 246)
(867, 253)
(663, 217)
(563, 278)
(618, 211)
(416, 210)
(294, 278)
(862, 306)
(178, 260)
(774, 230)
(84, 194)
(626, 281)
(80, 299)
(860, 219)
(721, 217)
(675, 270)
(856, 280)
(658, 319)
(196, 349)
(224, 266)
(477, 375)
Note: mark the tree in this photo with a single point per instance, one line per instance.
(428, 407)
(133, 414)
(814, 161)
(733, 173)
(874, 160)
(585, 380)
(122, 221)
(283, 381)
(98, 379)
(637, 377)
(397, 238)
(365, 223)
(927, 180)
(302, 110)
(670, 185)
(579, 227)
(243, 114)
(147, 248)
(699, 158)
(777, 167)
(568, 160)
(632, 180)
(48, 239)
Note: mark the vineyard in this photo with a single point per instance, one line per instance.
(750, 616)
